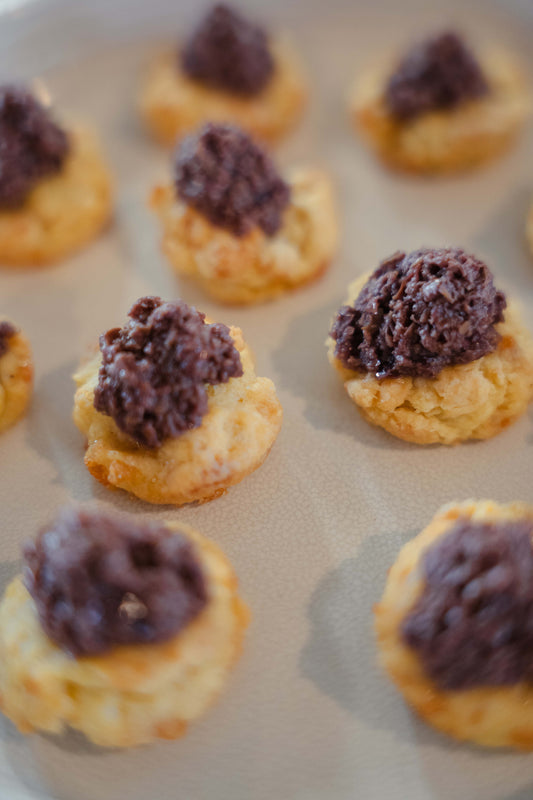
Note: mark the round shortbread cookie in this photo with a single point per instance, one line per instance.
(445, 140)
(63, 212)
(467, 401)
(135, 693)
(16, 379)
(241, 425)
(498, 716)
(255, 267)
(172, 104)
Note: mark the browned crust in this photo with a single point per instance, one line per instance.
(16, 380)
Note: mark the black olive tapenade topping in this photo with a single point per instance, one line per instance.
(6, 332)
(222, 173)
(473, 623)
(228, 52)
(439, 73)
(154, 371)
(101, 580)
(32, 146)
(420, 312)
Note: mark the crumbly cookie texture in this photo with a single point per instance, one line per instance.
(235, 436)
(256, 267)
(466, 401)
(491, 716)
(135, 693)
(445, 140)
(63, 212)
(172, 104)
(16, 379)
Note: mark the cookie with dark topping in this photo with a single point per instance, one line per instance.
(172, 408)
(429, 350)
(55, 189)
(229, 69)
(438, 73)
(117, 612)
(229, 52)
(441, 107)
(454, 624)
(16, 373)
(232, 222)
(32, 145)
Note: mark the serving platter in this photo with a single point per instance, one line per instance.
(307, 714)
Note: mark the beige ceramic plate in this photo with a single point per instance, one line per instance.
(306, 716)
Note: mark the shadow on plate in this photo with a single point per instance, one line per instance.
(51, 431)
(503, 239)
(340, 656)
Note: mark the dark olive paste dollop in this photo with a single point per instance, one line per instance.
(6, 332)
(420, 312)
(155, 369)
(101, 580)
(473, 623)
(228, 52)
(32, 146)
(228, 178)
(439, 73)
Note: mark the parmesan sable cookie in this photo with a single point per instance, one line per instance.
(172, 408)
(455, 622)
(440, 109)
(235, 226)
(121, 628)
(16, 374)
(55, 189)
(227, 71)
(430, 351)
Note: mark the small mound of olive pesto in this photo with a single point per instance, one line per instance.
(6, 332)
(223, 174)
(228, 52)
(154, 370)
(439, 73)
(32, 146)
(473, 623)
(418, 313)
(101, 580)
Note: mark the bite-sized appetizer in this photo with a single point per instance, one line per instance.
(229, 69)
(441, 107)
(237, 226)
(431, 351)
(171, 407)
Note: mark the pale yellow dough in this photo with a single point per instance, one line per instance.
(173, 105)
(135, 693)
(447, 140)
(63, 212)
(256, 267)
(492, 716)
(241, 425)
(467, 401)
(16, 379)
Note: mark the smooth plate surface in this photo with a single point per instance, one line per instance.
(307, 715)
